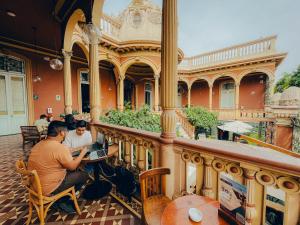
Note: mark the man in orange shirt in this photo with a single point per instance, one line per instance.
(55, 165)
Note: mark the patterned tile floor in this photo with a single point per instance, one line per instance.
(13, 206)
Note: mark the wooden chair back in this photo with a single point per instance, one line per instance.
(31, 181)
(29, 132)
(153, 182)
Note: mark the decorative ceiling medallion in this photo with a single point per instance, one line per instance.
(155, 17)
(136, 19)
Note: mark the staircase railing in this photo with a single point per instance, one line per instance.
(186, 125)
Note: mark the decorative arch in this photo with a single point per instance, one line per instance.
(115, 62)
(131, 61)
(231, 75)
(184, 80)
(78, 15)
(192, 81)
(268, 72)
(97, 12)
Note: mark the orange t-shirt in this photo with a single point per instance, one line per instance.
(47, 158)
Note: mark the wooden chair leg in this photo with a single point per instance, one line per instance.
(75, 202)
(29, 214)
(41, 215)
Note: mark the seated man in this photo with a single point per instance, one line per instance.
(79, 137)
(42, 124)
(54, 164)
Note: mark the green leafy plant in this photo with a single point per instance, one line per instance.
(142, 119)
(201, 118)
(288, 80)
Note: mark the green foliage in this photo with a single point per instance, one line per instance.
(201, 118)
(143, 119)
(288, 80)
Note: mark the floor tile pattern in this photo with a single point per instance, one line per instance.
(13, 205)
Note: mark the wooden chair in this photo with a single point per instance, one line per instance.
(36, 199)
(153, 188)
(30, 134)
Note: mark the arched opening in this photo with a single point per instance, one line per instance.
(80, 82)
(253, 91)
(139, 88)
(182, 94)
(223, 93)
(200, 93)
(108, 86)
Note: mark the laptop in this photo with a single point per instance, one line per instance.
(97, 150)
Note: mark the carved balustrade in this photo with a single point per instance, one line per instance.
(261, 47)
(200, 164)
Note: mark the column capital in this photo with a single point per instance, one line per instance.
(67, 54)
(156, 76)
(91, 33)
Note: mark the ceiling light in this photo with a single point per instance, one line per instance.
(56, 64)
(46, 58)
(10, 13)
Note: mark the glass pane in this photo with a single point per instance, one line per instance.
(2, 62)
(3, 100)
(84, 77)
(17, 88)
(15, 65)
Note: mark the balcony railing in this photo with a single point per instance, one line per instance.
(250, 115)
(199, 165)
(186, 125)
(260, 47)
(110, 27)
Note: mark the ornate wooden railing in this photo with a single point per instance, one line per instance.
(199, 165)
(260, 47)
(254, 115)
(186, 125)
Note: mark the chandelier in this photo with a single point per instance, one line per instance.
(56, 64)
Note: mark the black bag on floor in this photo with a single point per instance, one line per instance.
(125, 182)
(121, 177)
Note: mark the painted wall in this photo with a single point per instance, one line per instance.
(200, 94)
(252, 93)
(216, 95)
(284, 137)
(108, 90)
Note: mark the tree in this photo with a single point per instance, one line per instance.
(295, 79)
(288, 80)
(201, 118)
(143, 119)
(283, 83)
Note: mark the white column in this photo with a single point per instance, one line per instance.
(94, 77)
(67, 81)
(156, 93)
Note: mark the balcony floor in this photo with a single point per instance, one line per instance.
(13, 206)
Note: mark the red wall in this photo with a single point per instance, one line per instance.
(284, 137)
(252, 93)
(216, 95)
(108, 90)
(200, 94)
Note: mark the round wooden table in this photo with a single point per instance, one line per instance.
(99, 187)
(176, 212)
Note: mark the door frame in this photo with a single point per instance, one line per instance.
(79, 94)
(28, 83)
(220, 91)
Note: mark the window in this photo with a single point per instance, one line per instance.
(148, 93)
(11, 64)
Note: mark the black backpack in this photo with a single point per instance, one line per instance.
(121, 177)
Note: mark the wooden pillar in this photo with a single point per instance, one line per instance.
(156, 93)
(121, 94)
(67, 82)
(189, 96)
(94, 77)
(249, 174)
(210, 96)
(237, 99)
(208, 177)
(169, 60)
(141, 157)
